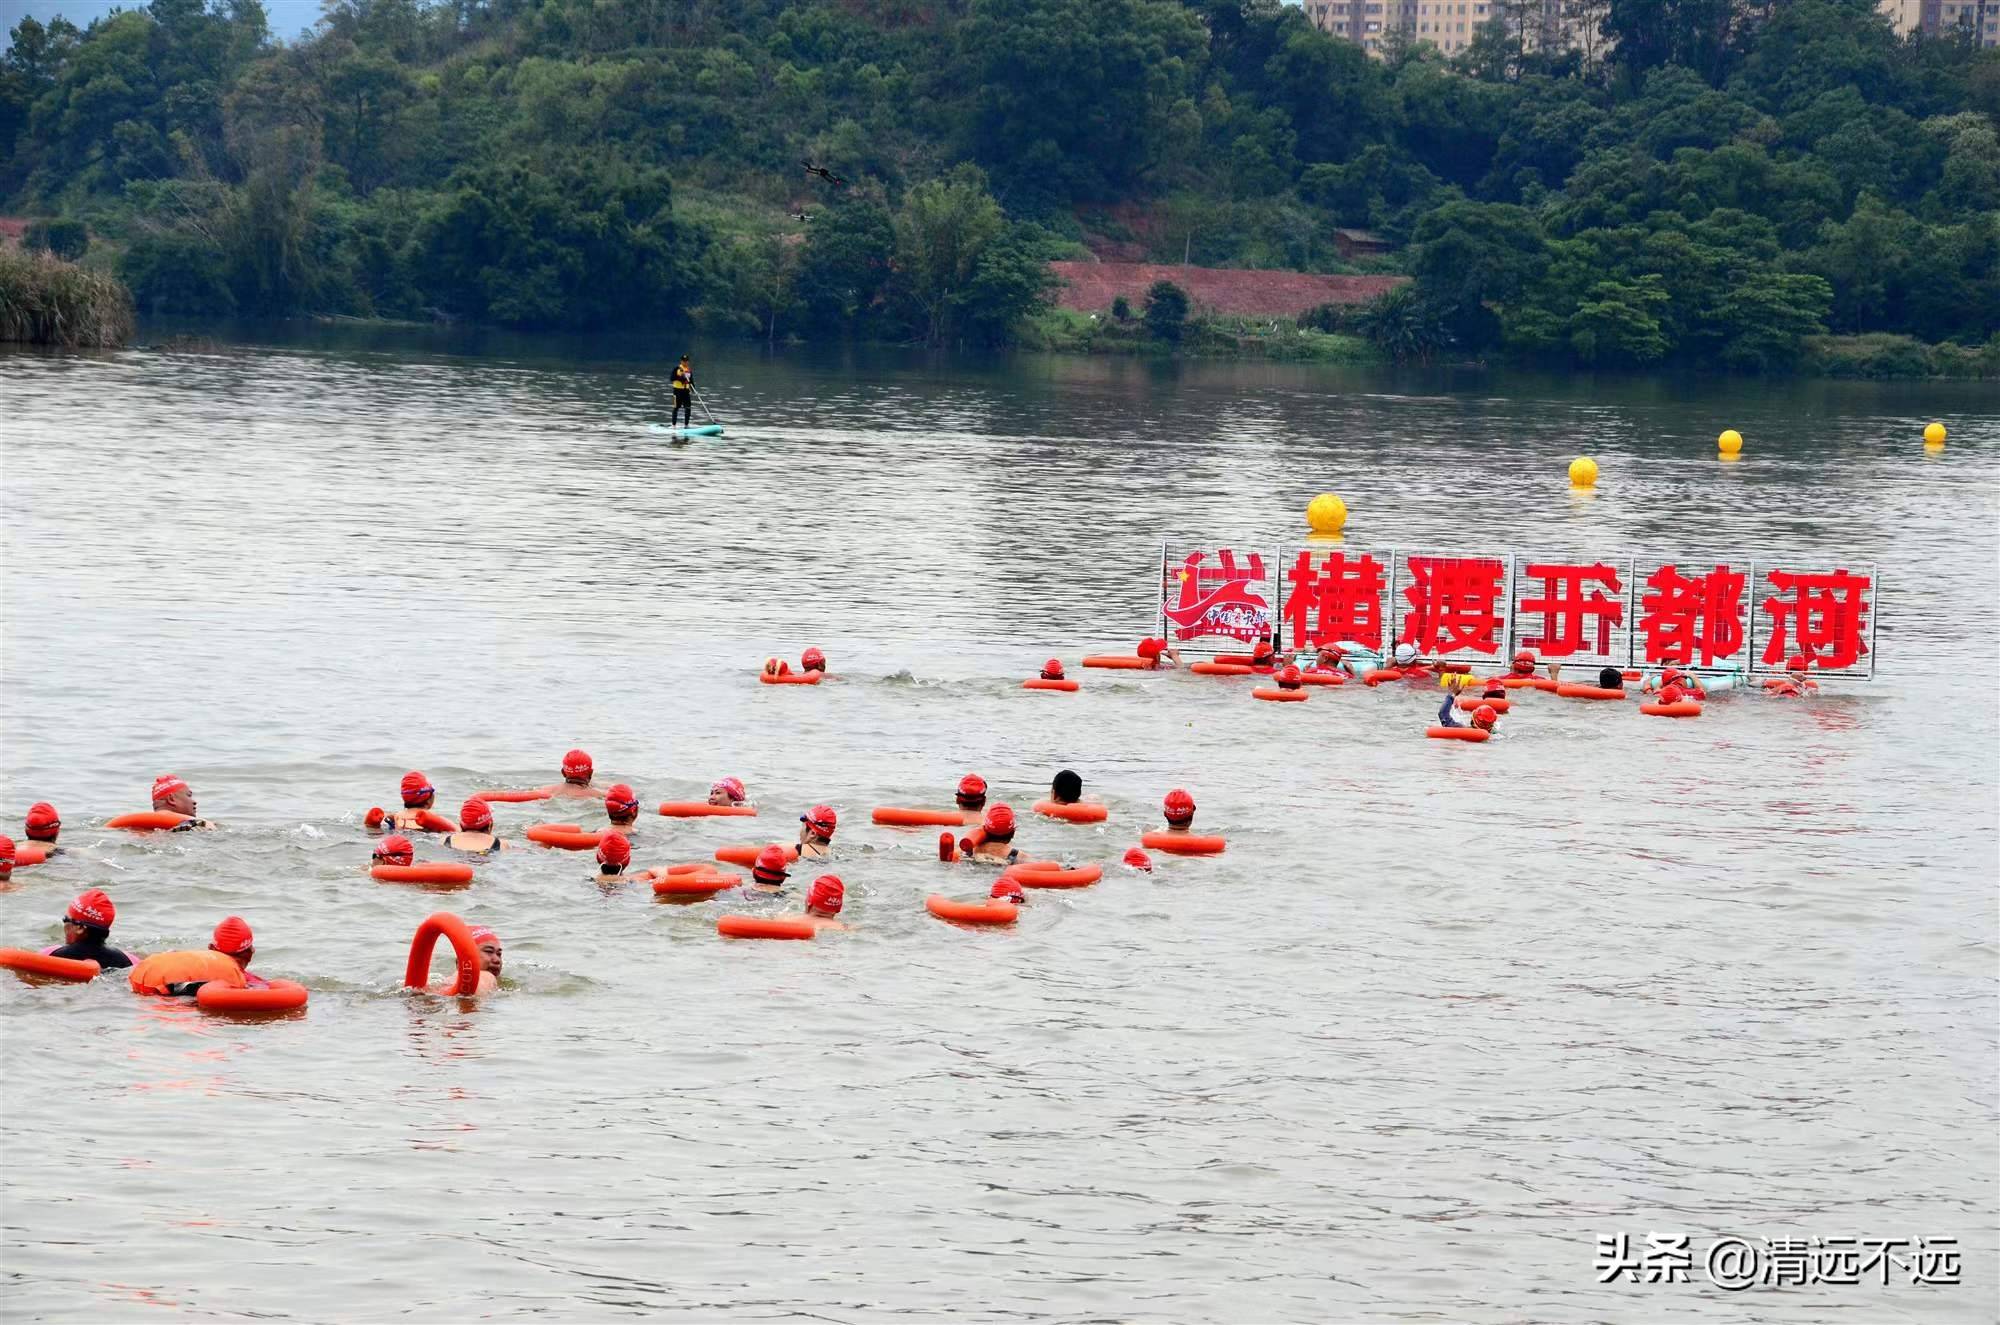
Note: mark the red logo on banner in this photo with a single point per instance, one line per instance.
(1219, 601)
(1826, 617)
(1346, 597)
(1683, 616)
(1564, 605)
(1456, 603)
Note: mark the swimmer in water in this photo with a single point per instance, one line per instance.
(1290, 678)
(1685, 685)
(1052, 670)
(1066, 788)
(1610, 678)
(1795, 683)
(1483, 717)
(971, 795)
(234, 940)
(173, 796)
(621, 806)
(1333, 658)
(475, 833)
(1179, 810)
(6, 858)
(812, 660)
(774, 667)
(1009, 890)
(614, 854)
(824, 900)
(44, 825)
(418, 796)
(1159, 655)
(993, 844)
(87, 931)
(768, 872)
(816, 838)
(1407, 663)
(727, 791)
(395, 849)
(575, 785)
(490, 955)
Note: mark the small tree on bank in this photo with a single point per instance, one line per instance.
(1166, 311)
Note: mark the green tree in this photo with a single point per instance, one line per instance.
(1472, 258)
(67, 238)
(943, 228)
(1619, 323)
(1166, 311)
(849, 252)
(1404, 325)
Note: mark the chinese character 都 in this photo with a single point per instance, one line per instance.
(1689, 617)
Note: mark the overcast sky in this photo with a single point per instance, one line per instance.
(288, 17)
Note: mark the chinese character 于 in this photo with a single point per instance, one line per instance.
(1826, 617)
(1563, 605)
(1346, 596)
(1615, 1259)
(1455, 604)
(1685, 616)
(1935, 1261)
(1791, 1263)
(1668, 1258)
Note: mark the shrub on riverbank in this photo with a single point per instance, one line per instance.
(46, 301)
(1066, 331)
(1887, 356)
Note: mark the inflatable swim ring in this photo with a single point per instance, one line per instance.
(991, 912)
(433, 872)
(1183, 844)
(1280, 695)
(1457, 733)
(1220, 669)
(445, 925)
(30, 853)
(1044, 683)
(1575, 690)
(1378, 675)
(695, 884)
(1687, 708)
(1323, 678)
(896, 816)
(1048, 875)
(277, 996)
(569, 837)
(764, 927)
(790, 678)
(1473, 703)
(1528, 683)
(1078, 812)
(746, 856)
(40, 965)
(1120, 662)
(515, 797)
(703, 810)
(147, 821)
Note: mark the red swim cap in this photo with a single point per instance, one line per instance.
(1137, 858)
(475, 816)
(999, 820)
(614, 849)
(395, 849)
(374, 817)
(770, 864)
(1151, 648)
(233, 936)
(821, 819)
(1672, 694)
(576, 766)
(1178, 805)
(7, 853)
(165, 785)
(481, 935)
(621, 799)
(730, 787)
(972, 785)
(1797, 663)
(1290, 676)
(1052, 670)
(92, 908)
(812, 658)
(1262, 649)
(1009, 889)
(1485, 716)
(827, 893)
(43, 821)
(415, 787)
(1524, 655)
(1670, 675)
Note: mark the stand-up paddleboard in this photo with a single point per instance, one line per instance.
(701, 430)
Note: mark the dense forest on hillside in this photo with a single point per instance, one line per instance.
(1730, 177)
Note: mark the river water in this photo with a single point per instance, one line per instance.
(1441, 1018)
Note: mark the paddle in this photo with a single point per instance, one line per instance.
(703, 403)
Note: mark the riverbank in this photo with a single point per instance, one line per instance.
(1066, 331)
(47, 301)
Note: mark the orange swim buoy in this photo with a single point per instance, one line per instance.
(30, 853)
(1457, 733)
(1279, 695)
(434, 872)
(790, 678)
(430, 821)
(1183, 844)
(991, 912)
(569, 837)
(147, 821)
(746, 856)
(1686, 708)
(521, 797)
(1528, 683)
(1044, 683)
(445, 925)
(702, 884)
(1577, 690)
(1473, 703)
(1118, 662)
(1049, 875)
(764, 927)
(1220, 669)
(41, 966)
(896, 816)
(277, 996)
(703, 810)
(1378, 675)
(1323, 678)
(1076, 812)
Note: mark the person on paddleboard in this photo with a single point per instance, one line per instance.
(683, 384)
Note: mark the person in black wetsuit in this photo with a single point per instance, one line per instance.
(683, 384)
(86, 929)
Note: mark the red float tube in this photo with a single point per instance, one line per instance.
(1077, 812)
(30, 853)
(1686, 708)
(147, 821)
(1323, 678)
(703, 810)
(1473, 703)
(695, 885)
(520, 797)
(1457, 733)
(434, 872)
(1528, 683)
(445, 925)
(277, 996)
(764, 927)
(431, 821)
(1053, 876)
(896, 816)
(1183, 844)
(569, 837)
(1220, 669)
(992, 912)
(1280, 696)
(1118, 662)
(41, 966)
(790, 678)
(1044, 683)
(1378, 675)
(746, 856)
(1576, 690)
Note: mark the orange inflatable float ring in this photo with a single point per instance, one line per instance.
(746, 856)
(1220, 669)
(435, 872)
(30, 853)
(790, 678)
(521, 797)
(1053, 876)
(764, 927)
(703, 810)
(1076, 812)
(1686, 708)
(896, 816)
(1323, 678)
(568, 837)
(704, 883)
(1380, 674)
(1118, 662)
(1576, 690)
(1183, 844)
(1529, 683)
(430, 821)
(1473, 703)
(1457, 733)
(991, 912)
(41, 966)
(1044, 683)
(445, 925)
(1279, 695)
(147, 821)
(277, 996)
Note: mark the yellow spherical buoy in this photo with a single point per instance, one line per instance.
(1326, 514)
(1730, 442)
(1583, 472)
(1934, 435)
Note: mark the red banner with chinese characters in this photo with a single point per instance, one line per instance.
(1221, 597)
(1692, 613)
(1330, 596)
(1823, 615)
(1573, 609)
(1453, 608)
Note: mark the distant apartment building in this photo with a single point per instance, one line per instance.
(1449, 25)
(1978, 19)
